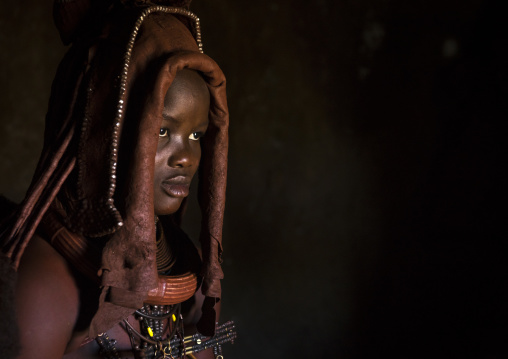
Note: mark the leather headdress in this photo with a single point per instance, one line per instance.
(101, 134)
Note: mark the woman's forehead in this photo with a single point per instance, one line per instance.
(189, 86)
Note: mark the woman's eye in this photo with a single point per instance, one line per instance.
(195, 136)
(163, 132)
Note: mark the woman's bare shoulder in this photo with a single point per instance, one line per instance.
(47, 301)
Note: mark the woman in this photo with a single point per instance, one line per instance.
(107, 269)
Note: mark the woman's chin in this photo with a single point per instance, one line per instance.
(169, 206)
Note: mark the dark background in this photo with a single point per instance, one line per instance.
(366, 210)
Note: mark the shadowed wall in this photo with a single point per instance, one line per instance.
(366, 182)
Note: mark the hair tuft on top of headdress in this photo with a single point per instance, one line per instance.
(71, 17)
(175, 3)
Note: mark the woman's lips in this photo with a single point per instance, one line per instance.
(176, 187)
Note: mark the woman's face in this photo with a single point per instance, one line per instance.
(184, 121)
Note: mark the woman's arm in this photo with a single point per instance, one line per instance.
(47, 302)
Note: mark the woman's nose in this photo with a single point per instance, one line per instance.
(182, 155)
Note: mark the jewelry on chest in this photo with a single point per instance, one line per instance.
(161, 336)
